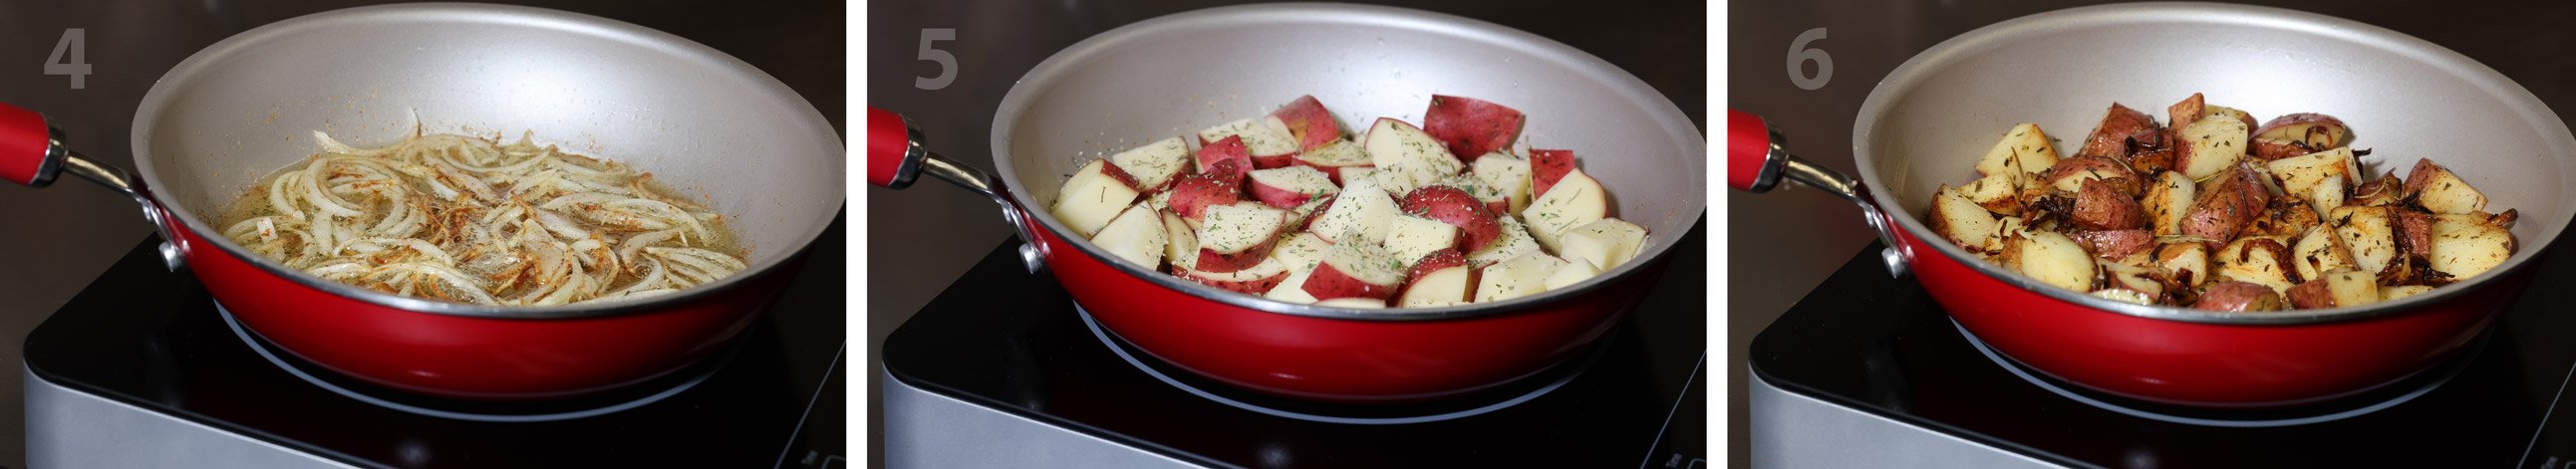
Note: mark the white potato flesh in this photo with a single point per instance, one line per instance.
(1366, 262)
(1261, 140)
(2168, 201)
(1571, 273)
(2367, 234)
(2465, 246)
(1361, 209)
(2056, 260)
(1154, 164)
(1514, 241)
(1437, 288)
(1574, 201)
(1091, 198)
(1509, 175)
(1181, 244)
(1412, 237)
(2215, 144)
(1517, 277)
(1391, 141)
(1293, 288)
(1602, 244)
(2024, 146)
(1301, 251)
(1229, 229)
(1136, 235)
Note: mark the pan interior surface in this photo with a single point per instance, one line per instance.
(1173, 76)
(2405, 100)
(700, 121)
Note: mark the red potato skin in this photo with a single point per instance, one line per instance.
(2271, 142)
(1547, 167)
(2116, 244)
(1434, 261)
(1194, 193)
(1477, 224)
(1229, 149)
(1249, 287)
(2311, 295)
(2111, 137)
(2414, 231)
(1309, 123)
(1122, 177)
(1273, 161)
(2101, 207)
(1277, 197)
(1309, 220)
(2224, 211)
(1471, 127)
(2238, 296)
(2183, 113)
(1328, 282)
(1213, 262)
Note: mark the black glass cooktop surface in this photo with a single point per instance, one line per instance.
(1871, 342)
(1633, 401)
(148, 337)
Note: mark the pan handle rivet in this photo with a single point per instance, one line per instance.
(1029, 257)
(170, 257)
(1895, 261)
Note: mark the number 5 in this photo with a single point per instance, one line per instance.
(947, 62)
(71, 57)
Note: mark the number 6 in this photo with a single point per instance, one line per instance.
(1800, 54)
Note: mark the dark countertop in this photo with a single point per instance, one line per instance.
(55, 240)
(1789, 242)
(943, 231)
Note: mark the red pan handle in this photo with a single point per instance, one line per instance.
(32, 154)
(898, 155)
(29, 153)
(1757, 158)
(1753, 153)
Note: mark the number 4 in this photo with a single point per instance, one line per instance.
(71, 57)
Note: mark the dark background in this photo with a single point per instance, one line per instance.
(54, 240)
(1785, 243)
(923, 238)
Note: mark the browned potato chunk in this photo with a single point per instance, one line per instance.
(2187, 262)
(2099, 207)
(2298, 134)
(1998, 193)
(2111, 137)
(2227, 207)
(2319, 251)
(2169, 197)
(2054, 259)
(2025, 145)
(2336, 289)
(2439, 190)
(2116, 245)
(2380, 191)
(2319, 177)
(2396, 292)
(2210, 146)
(2367, 234)
(2285, 217)
(2239, 296)
(2259, 259)
(1960, 220)
(2187, 111)
(2071, 175)
(2465, 246)
(2413, 232)
(2149, 280)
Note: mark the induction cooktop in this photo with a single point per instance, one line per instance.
(144, 369)
(1867, 370)
(1003, 370)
